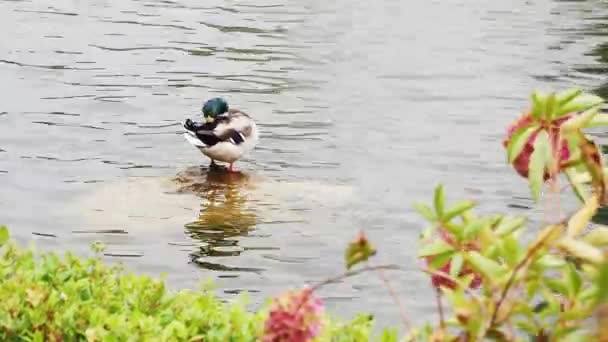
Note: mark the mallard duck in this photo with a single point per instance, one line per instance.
(226, 135)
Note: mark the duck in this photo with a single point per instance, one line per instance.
(226, 134)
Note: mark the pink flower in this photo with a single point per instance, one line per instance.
(294, 316)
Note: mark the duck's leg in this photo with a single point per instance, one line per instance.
(230, 167)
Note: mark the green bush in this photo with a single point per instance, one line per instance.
(45, 297)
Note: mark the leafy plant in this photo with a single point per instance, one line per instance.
(46, 297)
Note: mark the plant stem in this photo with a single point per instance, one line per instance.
(440, 309)
(353, 273)
(535, 248)
(393, 294)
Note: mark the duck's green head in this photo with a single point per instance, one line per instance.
(214, 107)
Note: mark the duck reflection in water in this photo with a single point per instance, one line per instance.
(224, 214)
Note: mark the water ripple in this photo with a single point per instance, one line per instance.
(132, 22)
(71, 14)
(49, 123)
(52, 67)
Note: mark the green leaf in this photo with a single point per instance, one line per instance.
(574, 334)
(580, 250)
(581, 219)
(510, 250)
(538, 105)
(441, 259)
(550, 261)
(456, 265)
(597, 237)
(598, 120)
(473, 228)
(564, 97)
(580, 121)
(425, 211)
(574, 281)
(438, 247)
(579, 189)
(4, 235)
(588, 293)
(359, 250)
(538, 160)
(557, 285)
(489, 268)
(550, 106)
(518, 142)
(439, 200)
(510, 224)
(602, 283)
(458, 209)
(580, 103)
(527, 326)
(531, 288)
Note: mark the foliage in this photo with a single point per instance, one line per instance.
(545, 290)
(46, 297)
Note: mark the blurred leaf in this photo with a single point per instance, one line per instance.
(600, 119)
(426, 233)
(580, 103)
(509, 224)
(527, 326)
(439, 201)
(531, 287)
(597, 237)
(550, 106)
(602, 283)
(550, 261)
(471, 229)
(437, 247)
(458, 209)
(359, 250)
(425, 211)
(578, 188)
(4, 235)
(593, 161)
(538, 160)
(455, 229)
(557, 285)
(510, 250)
(564, 97)
(574, 281)
(518, 141)
(581, 219)
(489, 268)
(456, 265)
(547, 236)
(578, 122)
(588, 293)
(571, 334)
(580, 249)
(538, 104)
(441, 259)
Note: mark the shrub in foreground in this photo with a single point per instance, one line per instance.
(45, 297)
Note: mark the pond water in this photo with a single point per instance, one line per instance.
(363, 108)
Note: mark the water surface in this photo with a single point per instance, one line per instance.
(363, 107)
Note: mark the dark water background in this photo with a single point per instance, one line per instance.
(363, 107)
